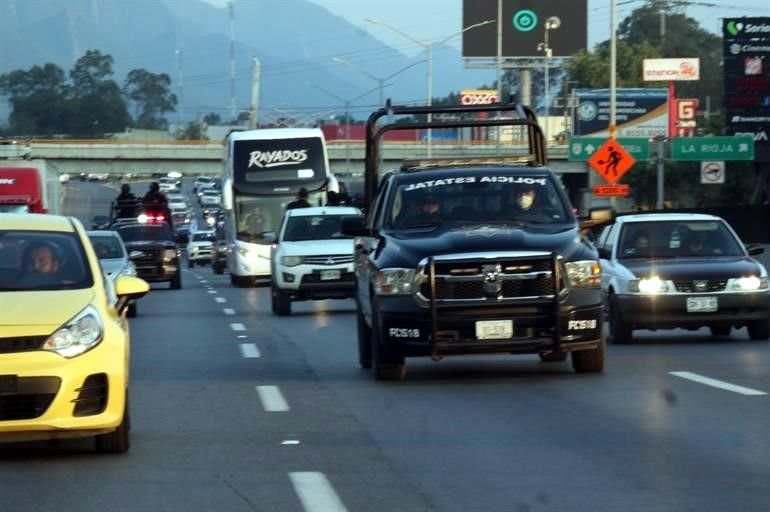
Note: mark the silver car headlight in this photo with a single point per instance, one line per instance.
(129, 270)
(584, 274)
(652, 285)
(291, 261)
(77, 336)
(395, 281)
(747, 284)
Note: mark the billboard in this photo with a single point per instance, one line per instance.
(746, 64)
(478, 96)
(524, 27)
(671, 70)
(639, 112)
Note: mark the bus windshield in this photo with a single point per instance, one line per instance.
(257, 215)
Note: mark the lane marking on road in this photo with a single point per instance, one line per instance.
(249, 351)
(228, 311)
(221, 300)
(241, 336)
(290, 442)
(315, 492)
(718, 383)
(238, 327)
(272, 399)
(212, 291)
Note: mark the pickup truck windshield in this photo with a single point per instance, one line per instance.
(146, 233)
(462, 199)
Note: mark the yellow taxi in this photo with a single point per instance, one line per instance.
(64, 337)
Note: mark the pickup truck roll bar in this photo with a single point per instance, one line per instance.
(523, 117)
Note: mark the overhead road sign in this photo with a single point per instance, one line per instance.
(611, 161)
(582, 148)
(621, 190)
(694, 149)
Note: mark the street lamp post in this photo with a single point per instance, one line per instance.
(380, 81)
(551, 23)
(429, 51)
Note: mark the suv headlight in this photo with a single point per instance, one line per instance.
(584, 274)
(77, 336)
(291, 261)
(169, 254)
(652, 285)
(747, 284)
(395, 281)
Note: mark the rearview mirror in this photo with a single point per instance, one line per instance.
(604, 253)
(755, 250)
(270, 236)
(355, 225)
(598, 217)
(129, 288)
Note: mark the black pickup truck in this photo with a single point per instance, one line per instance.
(473, 256)
(152, 248)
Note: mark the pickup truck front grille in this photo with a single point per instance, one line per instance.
(701, 286)
(490, 280)
(149, 256)
(330, 259)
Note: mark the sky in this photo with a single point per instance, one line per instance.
(432, 20)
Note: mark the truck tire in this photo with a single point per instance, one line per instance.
(364, 342)
(132, 312)
(553, 357)
(621, 333)
(386, 362)
(281, 301)
(176, 283)
(116, 441)
(759, 329)
(589, 361)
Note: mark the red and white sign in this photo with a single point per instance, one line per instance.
(667, 70)
(478, 96)
(685, 114)
(621, 190)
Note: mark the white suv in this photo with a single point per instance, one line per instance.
(311, 258)
(199, 247)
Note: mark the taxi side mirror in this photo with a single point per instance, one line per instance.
(129, 288)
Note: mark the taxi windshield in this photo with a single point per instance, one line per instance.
(42, 260)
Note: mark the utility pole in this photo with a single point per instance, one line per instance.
(180, 76)
(255, 72)
(233, 112)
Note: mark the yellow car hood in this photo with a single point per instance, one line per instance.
(40, 312)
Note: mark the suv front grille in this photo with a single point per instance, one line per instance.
(331, 259)
(493, 280)
(701, 285)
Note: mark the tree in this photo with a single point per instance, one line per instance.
(192, 131)
(97, 98)
(90, 71)
(212, 119)
(39, 98)
(152, 96)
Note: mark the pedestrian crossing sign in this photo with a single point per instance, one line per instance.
(611, 161)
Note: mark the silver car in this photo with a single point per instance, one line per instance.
(114, 258)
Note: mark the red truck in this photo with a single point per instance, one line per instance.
(28, 186)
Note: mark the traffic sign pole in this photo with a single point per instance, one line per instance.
(661, 173)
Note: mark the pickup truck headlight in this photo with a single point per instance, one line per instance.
(291, 261)
(169, 254)
(584, 274)
(747, 284)
(77, 336)
(649, 285)
(395, 281)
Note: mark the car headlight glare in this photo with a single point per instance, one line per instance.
(650, 285)
(291, 261)
(77, 336)
(395, 281)
(584, 274)
(169, 254)
(748, 284)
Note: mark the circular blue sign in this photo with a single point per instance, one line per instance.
(524, 20)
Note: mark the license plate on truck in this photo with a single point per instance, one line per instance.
(494, 329)
(701, 304)
(330, 275)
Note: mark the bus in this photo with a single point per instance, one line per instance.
(262, 173)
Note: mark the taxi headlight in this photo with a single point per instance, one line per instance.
(77, 336)
(584, 274)
(169, 254)
(649, 285)
(395, 281)
(747, 284)
(291, 261)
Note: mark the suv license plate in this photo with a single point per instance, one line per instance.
(330, 275)
(494, 329)
(701, 304)
(9, 384)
